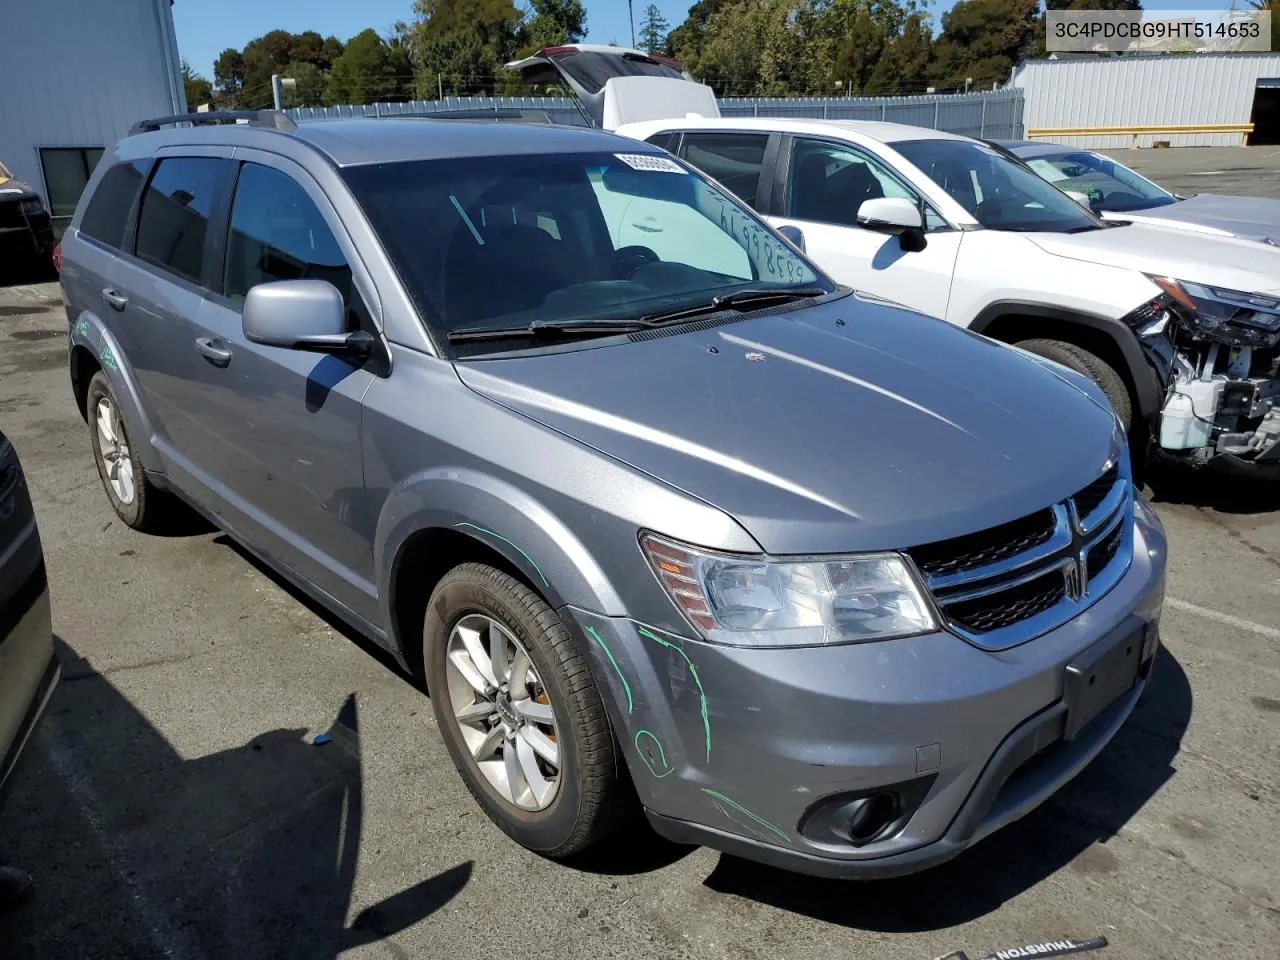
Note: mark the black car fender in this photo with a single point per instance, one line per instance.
(1144, 382)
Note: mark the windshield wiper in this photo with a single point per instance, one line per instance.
(549, 328)
(740, 298)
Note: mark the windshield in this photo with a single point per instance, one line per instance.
(1107, 184)
(505, 242)
(999, 193)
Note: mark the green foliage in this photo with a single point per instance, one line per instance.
(459, 45)
(653, 30)
(228, 72)
(364, 73)
(309, 84)
(983, 40)
(197, 88)
(552, 22)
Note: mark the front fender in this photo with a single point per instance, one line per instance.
(90, 333)
(502, 516)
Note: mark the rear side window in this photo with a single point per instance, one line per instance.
(734, 159)
(666, 141)
(175, 213)
(107, 215)
(277, 233)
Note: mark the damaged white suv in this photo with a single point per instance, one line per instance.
(1181, 331)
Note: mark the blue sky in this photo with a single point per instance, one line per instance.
(207, 27)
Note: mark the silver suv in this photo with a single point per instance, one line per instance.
(658, 509)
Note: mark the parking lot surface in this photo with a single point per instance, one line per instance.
(171, 806)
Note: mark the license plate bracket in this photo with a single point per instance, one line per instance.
(1102, 674)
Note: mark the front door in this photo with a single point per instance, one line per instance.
(826, 183)
(283, 440)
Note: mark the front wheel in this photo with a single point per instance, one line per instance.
(520, 714)
(1092, 366)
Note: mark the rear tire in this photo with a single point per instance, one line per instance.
(135, 499)
(1092, 366)
(555, 814)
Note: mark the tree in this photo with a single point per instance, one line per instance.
(460, 45)
(983, 40)
(549, 23)
(653, 30)
(197, 88)
(686, 41)
(904, 65)
(228, 72)
(309, 84)
(363, 74)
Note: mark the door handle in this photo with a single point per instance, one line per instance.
(118, 301)
(218, 355)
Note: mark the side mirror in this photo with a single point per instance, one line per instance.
(893, 215)
(302, 315)
(793, 236)
(1078, 197)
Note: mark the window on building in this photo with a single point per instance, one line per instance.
(107, 215)
(175, 213)
(66, 171)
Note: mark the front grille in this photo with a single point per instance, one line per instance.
(946, 557)
(1104, 552)
(1088, 499)
(989, 585)
(1007, 607)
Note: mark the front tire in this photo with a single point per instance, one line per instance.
(520, 714)
(1092, 366)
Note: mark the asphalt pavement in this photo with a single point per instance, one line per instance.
(172, 804)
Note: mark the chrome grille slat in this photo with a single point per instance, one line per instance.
(1085, 553)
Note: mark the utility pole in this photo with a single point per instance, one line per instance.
(278, 86)
(631, 19)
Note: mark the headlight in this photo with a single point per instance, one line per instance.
(1213, 307)
(760, 602)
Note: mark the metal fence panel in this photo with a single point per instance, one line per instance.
(995, 114)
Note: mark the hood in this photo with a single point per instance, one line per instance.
(616, 85)
(1253, 218)
(890, 430)
(1228, 262)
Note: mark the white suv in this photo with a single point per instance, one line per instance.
(1182, 331)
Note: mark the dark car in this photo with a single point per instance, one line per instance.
(25, 229)
(28, 665)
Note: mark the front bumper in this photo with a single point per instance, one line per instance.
(736, 748)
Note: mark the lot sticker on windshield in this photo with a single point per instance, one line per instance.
(773, 255)
(646, 161)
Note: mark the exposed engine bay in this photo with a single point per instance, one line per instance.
(1217, 354)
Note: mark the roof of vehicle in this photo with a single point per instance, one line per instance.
(1034, 148)
(873, 129)
(367, 140)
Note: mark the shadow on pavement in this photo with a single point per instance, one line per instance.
(1215, 490)
(23, 268)
(138, 852)
(1089, 810)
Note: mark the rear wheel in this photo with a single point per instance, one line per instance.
(1092, 366)
(520, 714)
(134, 498)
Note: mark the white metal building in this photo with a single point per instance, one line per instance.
(1163, 90)
(74, 76)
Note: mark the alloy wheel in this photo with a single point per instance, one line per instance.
(113, 447)
(503, 711)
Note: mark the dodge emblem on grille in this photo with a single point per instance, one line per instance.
(1074, 574)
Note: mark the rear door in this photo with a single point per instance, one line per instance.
(820, 187)
(155, 294)
(281, 446)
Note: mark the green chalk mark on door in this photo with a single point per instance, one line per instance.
(631, 707)
(490, 533)
(716, 795)
(702, 694)
(662, 754)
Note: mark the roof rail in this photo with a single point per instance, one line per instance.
(262, 119)
(511, 113)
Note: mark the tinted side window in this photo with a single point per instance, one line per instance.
(829, 182)
(175, 213)
(664, 140)
(278, 234)
(107, 215)
(734, 159)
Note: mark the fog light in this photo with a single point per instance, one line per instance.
(857, 819)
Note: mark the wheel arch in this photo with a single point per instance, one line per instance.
(1012, 322)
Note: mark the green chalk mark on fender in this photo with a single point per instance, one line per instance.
(82, 327)
(702, 694)
(741, 809)
(631, 707)
(545, 581)
(662, 754)
(109, 360)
